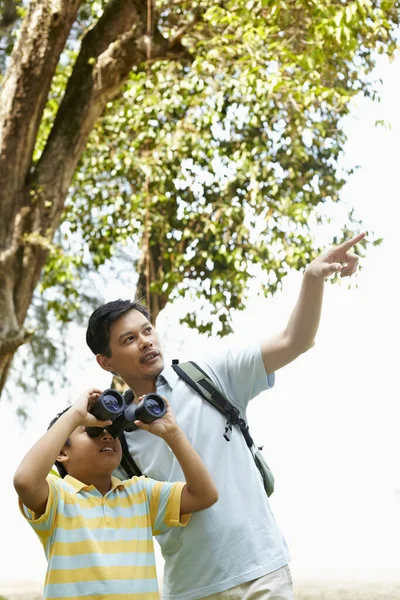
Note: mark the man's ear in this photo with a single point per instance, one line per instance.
(102, 360)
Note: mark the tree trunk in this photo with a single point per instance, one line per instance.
(33, 196)
(150, 276)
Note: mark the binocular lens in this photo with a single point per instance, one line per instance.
(154, 407)
(111, 403)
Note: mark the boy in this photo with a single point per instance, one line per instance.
(96, 530)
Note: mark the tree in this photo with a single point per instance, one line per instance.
(207, 131)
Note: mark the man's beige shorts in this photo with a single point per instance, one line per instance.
(277, 585)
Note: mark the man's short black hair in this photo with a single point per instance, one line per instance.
(60, 467)
(98, 330)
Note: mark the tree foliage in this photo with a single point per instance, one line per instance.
(209, 152)
(218, 164)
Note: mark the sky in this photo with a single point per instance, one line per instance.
(330, 425)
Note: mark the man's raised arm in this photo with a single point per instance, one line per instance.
(302, 327)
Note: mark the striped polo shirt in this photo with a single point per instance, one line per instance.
(102, 546)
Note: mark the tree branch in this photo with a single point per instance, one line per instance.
(8, 17)
(13, 341)
(108, 52)
(177, 37)
(24, 93)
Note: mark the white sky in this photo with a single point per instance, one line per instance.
(330, 425)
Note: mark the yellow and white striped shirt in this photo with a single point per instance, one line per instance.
(102, 546)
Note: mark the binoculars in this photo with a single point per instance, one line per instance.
(111, 405)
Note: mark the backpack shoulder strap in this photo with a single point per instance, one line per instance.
(127, 462)
(194, 376)
(202, 384)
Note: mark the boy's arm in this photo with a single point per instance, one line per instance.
(30, 477)
(300, 332)
(200, 491)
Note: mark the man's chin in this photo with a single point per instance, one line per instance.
(153, 370)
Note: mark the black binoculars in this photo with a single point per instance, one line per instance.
(112, 406)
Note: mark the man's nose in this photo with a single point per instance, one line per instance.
(145, 342)
(106, 435)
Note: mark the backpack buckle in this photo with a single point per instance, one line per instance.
(228, 431)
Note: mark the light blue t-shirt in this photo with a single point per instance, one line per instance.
(237, 539)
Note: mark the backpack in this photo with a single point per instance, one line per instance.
(194, 376)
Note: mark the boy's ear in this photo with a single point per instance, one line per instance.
(103, 362)
(62, 457)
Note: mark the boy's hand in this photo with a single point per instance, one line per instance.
(164, 427)
(82, 406)
(338, 259)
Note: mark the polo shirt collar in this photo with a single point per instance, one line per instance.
(78, 485)
(168, 376)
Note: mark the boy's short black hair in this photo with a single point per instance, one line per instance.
(60, 467)
(98, 330)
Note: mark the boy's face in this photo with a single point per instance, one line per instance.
(87, 458)
(135, 348)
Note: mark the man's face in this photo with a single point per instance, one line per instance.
(89, 457)
(135, 348)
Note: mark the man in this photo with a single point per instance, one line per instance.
(238, 552)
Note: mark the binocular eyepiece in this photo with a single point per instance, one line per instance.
(111, 405)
